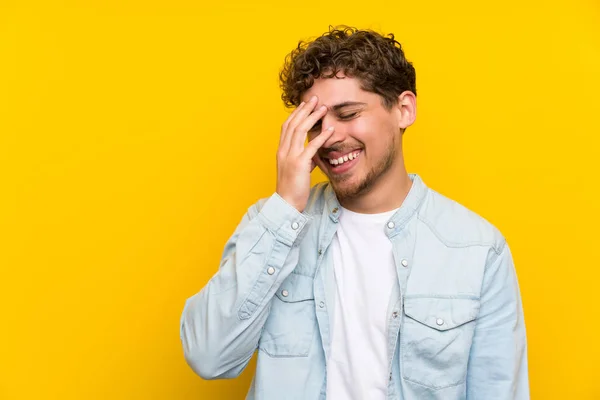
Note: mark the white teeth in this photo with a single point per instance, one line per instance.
(341, 160)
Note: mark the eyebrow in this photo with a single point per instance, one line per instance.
(339, 106)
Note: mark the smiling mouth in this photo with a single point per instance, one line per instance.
(342, 163)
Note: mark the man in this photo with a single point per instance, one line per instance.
(371, 285)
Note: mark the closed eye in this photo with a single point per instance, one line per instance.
(349, 116)
(345, 117)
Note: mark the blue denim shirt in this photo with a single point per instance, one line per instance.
(455, 318)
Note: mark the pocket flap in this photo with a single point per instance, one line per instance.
(296, 288)
(441, 313)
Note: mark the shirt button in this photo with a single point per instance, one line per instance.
(295, 225)
(390, 225)
(439, 321)
(322, 304)
(404, 263)
(320, 251)
(335, 210)
(271, 271)
(395, 314)
(284, 293)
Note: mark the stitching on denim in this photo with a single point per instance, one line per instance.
(261, 344)
(280, 234)
(412, 212)
(254, 286)
(301, 274)
(284, 356)
(403, 350)
(471, 318)
(465, 296)
(400, 323)
(304, 298)
(402, 371)
(245, 314)
(435, 387)
(454, 244)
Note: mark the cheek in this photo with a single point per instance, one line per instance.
(373, 132)
(364, 131)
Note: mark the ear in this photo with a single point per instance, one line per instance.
(406, 109)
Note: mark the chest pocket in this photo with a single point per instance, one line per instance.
(436, 340)
(292, 321)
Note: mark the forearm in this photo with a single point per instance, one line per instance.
(221, 325)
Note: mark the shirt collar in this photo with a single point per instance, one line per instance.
(411, 204)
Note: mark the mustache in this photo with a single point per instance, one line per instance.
(325, 151)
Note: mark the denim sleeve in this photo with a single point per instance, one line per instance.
(221, 325)
(498, 360)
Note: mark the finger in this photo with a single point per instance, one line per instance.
(301, 114)
(284, 127)
(315, 144)
(297, 119)
(299, 136)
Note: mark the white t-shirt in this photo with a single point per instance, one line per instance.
(364, 270)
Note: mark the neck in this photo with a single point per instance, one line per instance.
(387, 194)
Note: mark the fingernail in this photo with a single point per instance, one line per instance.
(313, 98)
(330, 128)
(323, 107)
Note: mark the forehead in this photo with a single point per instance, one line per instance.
(332, 91)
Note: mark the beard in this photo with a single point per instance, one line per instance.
(345, 190)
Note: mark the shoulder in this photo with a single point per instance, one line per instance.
(457, 226)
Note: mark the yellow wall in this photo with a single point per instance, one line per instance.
(133, 136)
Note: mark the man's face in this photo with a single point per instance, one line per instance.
(366, 141)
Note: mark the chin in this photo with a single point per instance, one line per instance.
(347, 188)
